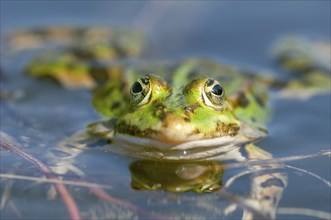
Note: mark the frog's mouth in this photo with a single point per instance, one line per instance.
(214, 148)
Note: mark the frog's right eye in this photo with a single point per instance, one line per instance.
(141, 91)
(213, 94)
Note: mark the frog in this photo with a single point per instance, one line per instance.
(184, 117)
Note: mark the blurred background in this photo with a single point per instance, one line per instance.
(239, 31)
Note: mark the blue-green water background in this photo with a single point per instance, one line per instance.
(238, 32)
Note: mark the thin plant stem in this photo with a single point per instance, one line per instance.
(60, 188)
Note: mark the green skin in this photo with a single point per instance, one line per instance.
(177, 116)
(179, 110)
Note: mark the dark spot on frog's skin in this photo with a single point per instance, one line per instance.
(160, 107)
(229, 129)
(263, 130)
(155, 102)
(160, 111)
(179, 97)
(273, 182)
(170, 94)
(191, 108)
(133, 130)
(253, 119)
(242, 100)
(115, 105)
(186, 119)
(259, 100)
(196, 131)
(161, 115)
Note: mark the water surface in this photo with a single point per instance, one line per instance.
(241, 33)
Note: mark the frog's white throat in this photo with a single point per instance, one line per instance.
(213, 148)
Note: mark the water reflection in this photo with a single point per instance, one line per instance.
(264, 189)
(200, 177)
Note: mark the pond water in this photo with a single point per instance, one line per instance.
(41, 113)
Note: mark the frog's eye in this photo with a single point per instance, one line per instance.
(213, 94)
(140, 91)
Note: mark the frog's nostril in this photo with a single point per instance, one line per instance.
(186, 119)
(189, 109)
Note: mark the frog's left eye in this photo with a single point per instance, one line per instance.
(140, 91)
(213, 94)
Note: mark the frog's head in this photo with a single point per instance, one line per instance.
(196, 111)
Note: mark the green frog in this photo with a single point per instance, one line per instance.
(186, 115)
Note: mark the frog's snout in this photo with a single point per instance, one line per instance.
(176, 128)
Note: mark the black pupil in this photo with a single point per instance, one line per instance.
(136, 87)
(217, 89)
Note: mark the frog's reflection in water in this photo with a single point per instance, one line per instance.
(267, 181)
(200, 177)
